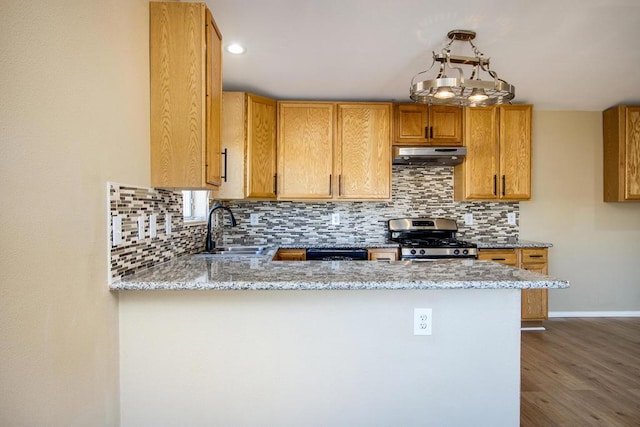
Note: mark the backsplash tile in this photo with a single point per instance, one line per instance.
(131, 255)
(417, 191)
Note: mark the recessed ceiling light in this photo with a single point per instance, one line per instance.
(236, 49)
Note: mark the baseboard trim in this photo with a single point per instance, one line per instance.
(594, 314)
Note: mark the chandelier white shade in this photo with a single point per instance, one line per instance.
(450, 87)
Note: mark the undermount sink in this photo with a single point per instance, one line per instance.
(239, 250)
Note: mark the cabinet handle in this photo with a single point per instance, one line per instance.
(224, 153)
(430, 132)
(340, 185)
(275, 183)
(495, 185)
(504, 184)
(426, 132)
(330, 186)
(535, 256)
(498, 259)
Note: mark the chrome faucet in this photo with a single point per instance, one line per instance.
(210, 244)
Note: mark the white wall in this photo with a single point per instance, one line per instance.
(596, 244)
(74, 113)
(319, 358)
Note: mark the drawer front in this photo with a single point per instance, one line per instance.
(534, 256)
(503, 256)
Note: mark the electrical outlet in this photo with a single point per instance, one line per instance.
(335, 219)
(253, 218)
(167, 224)
(153, 227)
(140, 227)
(468, 219)
(116, 226)
(422, 321)
(511, 218)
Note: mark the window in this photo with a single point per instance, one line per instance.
(195, 204)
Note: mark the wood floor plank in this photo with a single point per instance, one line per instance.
(581, 372)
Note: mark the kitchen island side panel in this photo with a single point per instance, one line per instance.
(291, 358)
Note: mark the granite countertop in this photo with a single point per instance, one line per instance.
(204, 271)
(484, 243)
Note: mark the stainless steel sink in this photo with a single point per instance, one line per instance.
(239, 250)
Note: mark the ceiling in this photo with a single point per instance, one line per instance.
(559, 54)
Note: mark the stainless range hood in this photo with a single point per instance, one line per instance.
(429, 156)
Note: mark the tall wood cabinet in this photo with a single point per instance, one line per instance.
(329, 151)
(249, 144)
(534, 302)
(621, 136)
(420, 124)
(185, 61)
(498, 162)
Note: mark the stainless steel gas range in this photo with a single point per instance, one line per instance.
(429, 238)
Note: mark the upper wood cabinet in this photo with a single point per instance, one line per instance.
(185, 62)
(420, 124)
(249, 141)
(329, 151)
(498, 162)
(305, 150)
(621, 132)
(363, 151)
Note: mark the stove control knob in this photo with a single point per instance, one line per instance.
(465, 252)
(413, 251)
(456, 251)
(421, 251)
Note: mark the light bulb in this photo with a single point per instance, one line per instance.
(444, 92)
(478, 95)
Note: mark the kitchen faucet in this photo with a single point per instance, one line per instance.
(210, 244)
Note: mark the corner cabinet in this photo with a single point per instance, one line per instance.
(621, 136)
(420, 124)
(185, 62)
(329, 151)
(290, 255)
(534, 302)
(248, 147)
(498, 162)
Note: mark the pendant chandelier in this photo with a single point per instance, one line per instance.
(450, 87)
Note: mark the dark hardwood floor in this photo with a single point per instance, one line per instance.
(581, 372)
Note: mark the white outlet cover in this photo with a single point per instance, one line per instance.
(468, 219)
(254, 218)
(140, 227)
(511, 218)
(153, 228)
(116, 228)
(335, 219)
(422, 321)
(167, 224)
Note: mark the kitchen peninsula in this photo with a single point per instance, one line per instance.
(321, 343)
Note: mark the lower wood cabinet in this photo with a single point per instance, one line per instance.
(290, 255)
(534, 301)
(383, 254)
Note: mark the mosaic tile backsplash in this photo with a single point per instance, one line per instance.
(417, 191)
(134, 254)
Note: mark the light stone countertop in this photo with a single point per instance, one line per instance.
(211, 272)
(508, 244)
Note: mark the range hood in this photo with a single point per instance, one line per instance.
(429, 156)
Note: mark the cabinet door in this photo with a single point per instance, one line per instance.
(233, 140)
(515, 152)
(476, 178)
(363, 151)
(305, 150)
(632, 154)
(291, 255)
(534, 304)
(445, 125)
(261, 147)
(410, 122)
(213, 99)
